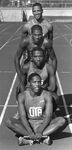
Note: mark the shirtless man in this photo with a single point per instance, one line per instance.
(35, 114)
(28, 43)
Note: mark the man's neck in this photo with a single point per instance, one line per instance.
(38, 67)
(33, 94)
(39, 43)
(40, 20)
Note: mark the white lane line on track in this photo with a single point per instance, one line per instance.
(10, 38)
(64, 101)
(15, 39)
(70, 34)
(13, 82)
(58, 109)
(9, 105)
(70, 43)
(68, 27)
(65, 38)
(1, 71)
(8, 98)
(3, 30)
(61, 90)
(66, 72)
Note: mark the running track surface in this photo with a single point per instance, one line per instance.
(9, 40)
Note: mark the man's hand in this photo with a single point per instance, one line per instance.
(32, 136)
(38, 135)
(35, 136)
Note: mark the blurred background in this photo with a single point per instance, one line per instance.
(28, 3)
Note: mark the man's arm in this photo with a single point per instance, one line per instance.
(53, 59)
(26, 29)
(48, 112)
(50, 54)
(17, 60)
(22, 112)
(52, 78)
(50, 33)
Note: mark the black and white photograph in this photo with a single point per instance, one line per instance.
(35, 74)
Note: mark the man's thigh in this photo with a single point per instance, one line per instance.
(55, 120)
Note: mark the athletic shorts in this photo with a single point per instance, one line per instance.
(35, 124)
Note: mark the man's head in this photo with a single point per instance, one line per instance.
(37, 33)
(37, 11)
(35, 82)
(38, 56)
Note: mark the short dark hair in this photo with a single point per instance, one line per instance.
(33, 75)
(38, 49)
(36, 4)
(36, 27)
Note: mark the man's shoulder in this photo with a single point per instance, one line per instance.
(46, 43)
(49, 66)
(30, 23)
(21, 96)
(26, 67)
(46, 22)
(24, 93)
(26, 40)
(27, 26)
(27, 91)
(45, 93)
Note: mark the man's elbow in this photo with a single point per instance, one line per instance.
(55, 65)
(15, 61)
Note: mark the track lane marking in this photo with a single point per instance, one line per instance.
(64, 102)
(10, 38)
(7, 99)
(4, 71)
(3, 30)
(9, 105)
(68, 27)
(60, 87)
(13, 82)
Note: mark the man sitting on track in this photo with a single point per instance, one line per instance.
(35, 114)
(35, 39)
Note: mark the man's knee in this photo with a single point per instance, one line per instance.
(11, 124)
(61, 121)
(8, 123)
(18, 91)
